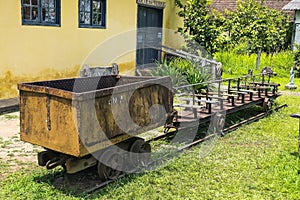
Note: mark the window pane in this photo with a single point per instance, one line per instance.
(96, 4)
(26, 1)
(48, 11)
(97, 12)
(88, 6)
(34, 2)
(96, 7)
(51, 3)
(44, 14)
(52, 15)
(49, 15)
(34, 13)
(45, 4)
(27, 13)
(81, 5)
(87, 18)
(97, 19)
(82, 18)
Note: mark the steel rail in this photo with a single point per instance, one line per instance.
(9, 105)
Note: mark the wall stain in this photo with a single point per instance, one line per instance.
(9, 81)
(127, 68)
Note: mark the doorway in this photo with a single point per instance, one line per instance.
(149, 36)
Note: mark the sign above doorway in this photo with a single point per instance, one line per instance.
(152, 3)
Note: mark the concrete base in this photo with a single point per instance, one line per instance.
(290, 86)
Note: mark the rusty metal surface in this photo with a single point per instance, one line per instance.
(188, 115)
(75, 116)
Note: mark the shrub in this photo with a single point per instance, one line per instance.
(183, 72)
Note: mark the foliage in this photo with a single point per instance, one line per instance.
(166, 69)
(297, 55)
(258, 27)
(203, 24)
(183, 72)
(262, 28)
(235, 64)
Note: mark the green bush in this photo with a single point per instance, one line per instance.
(183, 72)
(165, 69)
(297, 55)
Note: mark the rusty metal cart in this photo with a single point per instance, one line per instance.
(78, 120)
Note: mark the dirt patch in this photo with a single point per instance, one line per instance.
(13, 151)
(291, 93)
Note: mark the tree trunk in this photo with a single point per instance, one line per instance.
(258, 59)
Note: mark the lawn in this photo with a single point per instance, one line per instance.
(257, 161)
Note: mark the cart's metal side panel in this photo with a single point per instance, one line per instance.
(101, 125)
(48, 121)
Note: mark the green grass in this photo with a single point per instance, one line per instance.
(257, 161)
(281, 80)
(10, 154)
(238, 64)
(5, 144)
(284, 81)
(10, 116)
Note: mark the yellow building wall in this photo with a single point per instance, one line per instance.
(30, 52)
(171, 24)
(27, 49)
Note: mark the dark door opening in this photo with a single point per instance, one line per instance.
(149, 36)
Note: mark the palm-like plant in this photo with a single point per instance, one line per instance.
(184, 72)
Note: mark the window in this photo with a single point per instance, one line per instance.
(41, 12)
(92, 13)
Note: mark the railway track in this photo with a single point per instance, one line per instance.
(190, 145)
(9, 105)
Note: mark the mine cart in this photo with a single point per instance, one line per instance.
(75, 119)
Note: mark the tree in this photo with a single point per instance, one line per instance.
(262, 28)
(203, 24)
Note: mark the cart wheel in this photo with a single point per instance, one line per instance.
(218, 123)
(266, 104)
(139, 153)
(111, 166)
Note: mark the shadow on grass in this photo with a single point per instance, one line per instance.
(295, 154)
(83, 183)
